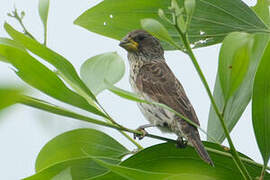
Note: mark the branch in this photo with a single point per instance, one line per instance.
(14, 14)
(45, 106)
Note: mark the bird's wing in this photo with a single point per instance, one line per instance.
(157, 81)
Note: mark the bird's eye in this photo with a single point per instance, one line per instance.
(140, 38)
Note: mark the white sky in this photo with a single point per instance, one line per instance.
(23, 130)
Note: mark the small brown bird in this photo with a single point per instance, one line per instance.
(152, 80)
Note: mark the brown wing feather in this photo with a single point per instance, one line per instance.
(157, 81)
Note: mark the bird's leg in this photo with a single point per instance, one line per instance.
(181, 143)
(142, 129)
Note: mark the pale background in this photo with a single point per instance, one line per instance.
(23, 130)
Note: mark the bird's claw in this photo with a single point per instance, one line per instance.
(140, 136)
(181, 143)
(225, 148)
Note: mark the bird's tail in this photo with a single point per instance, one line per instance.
(195, 140)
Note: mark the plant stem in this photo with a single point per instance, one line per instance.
(233, 151)
(45, 36)
(19, 19)
(230, 155)
(131, 140)
(45, 106)
(98, 106)
(110, 119)
(263, 172)
(26, 32)
(39, 104)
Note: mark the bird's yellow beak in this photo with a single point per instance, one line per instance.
(129, 44)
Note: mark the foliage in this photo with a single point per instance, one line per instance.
(238, 102)
(91, 154)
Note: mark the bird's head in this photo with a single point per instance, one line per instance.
(141, 43)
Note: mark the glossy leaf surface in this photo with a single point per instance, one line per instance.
(210, 23)
(240, 99)
(107, 67)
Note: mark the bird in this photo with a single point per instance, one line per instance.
(152, 80)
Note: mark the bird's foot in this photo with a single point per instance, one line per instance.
(140, 136)
(225, 148)
(181, 143)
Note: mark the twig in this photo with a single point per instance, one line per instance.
(14, 14)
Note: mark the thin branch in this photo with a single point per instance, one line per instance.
(45, 106)
(14, 14)
(98, 106)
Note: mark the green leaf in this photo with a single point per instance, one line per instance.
(43, 13)
(239, 101)
(74, 150)
(189, 176)
(261, 106)
(10, 42)
(175, 7)
(190, 6)
(234, 59)
(167, 159)
(108, 67)
(81, 168)
(77, 144)
(46, 106)
(157, 29)
(55, 59)
(40, 77)
(125, 94)
(211, 21)
(131, 173)
(63, 175)
(8, 96)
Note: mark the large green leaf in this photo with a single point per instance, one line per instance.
(40, 77)
(234, 58)
(58, 61)
(73, 149)
(43, 13)
(167, 159)
(97, 70)
(211, 21)
(239, 101)
(63, 175)
(80, 168)
(77, 144)
(131, 173)
(261, 106)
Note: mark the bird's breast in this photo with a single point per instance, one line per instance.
(156, 115)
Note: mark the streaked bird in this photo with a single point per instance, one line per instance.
(153, 80)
